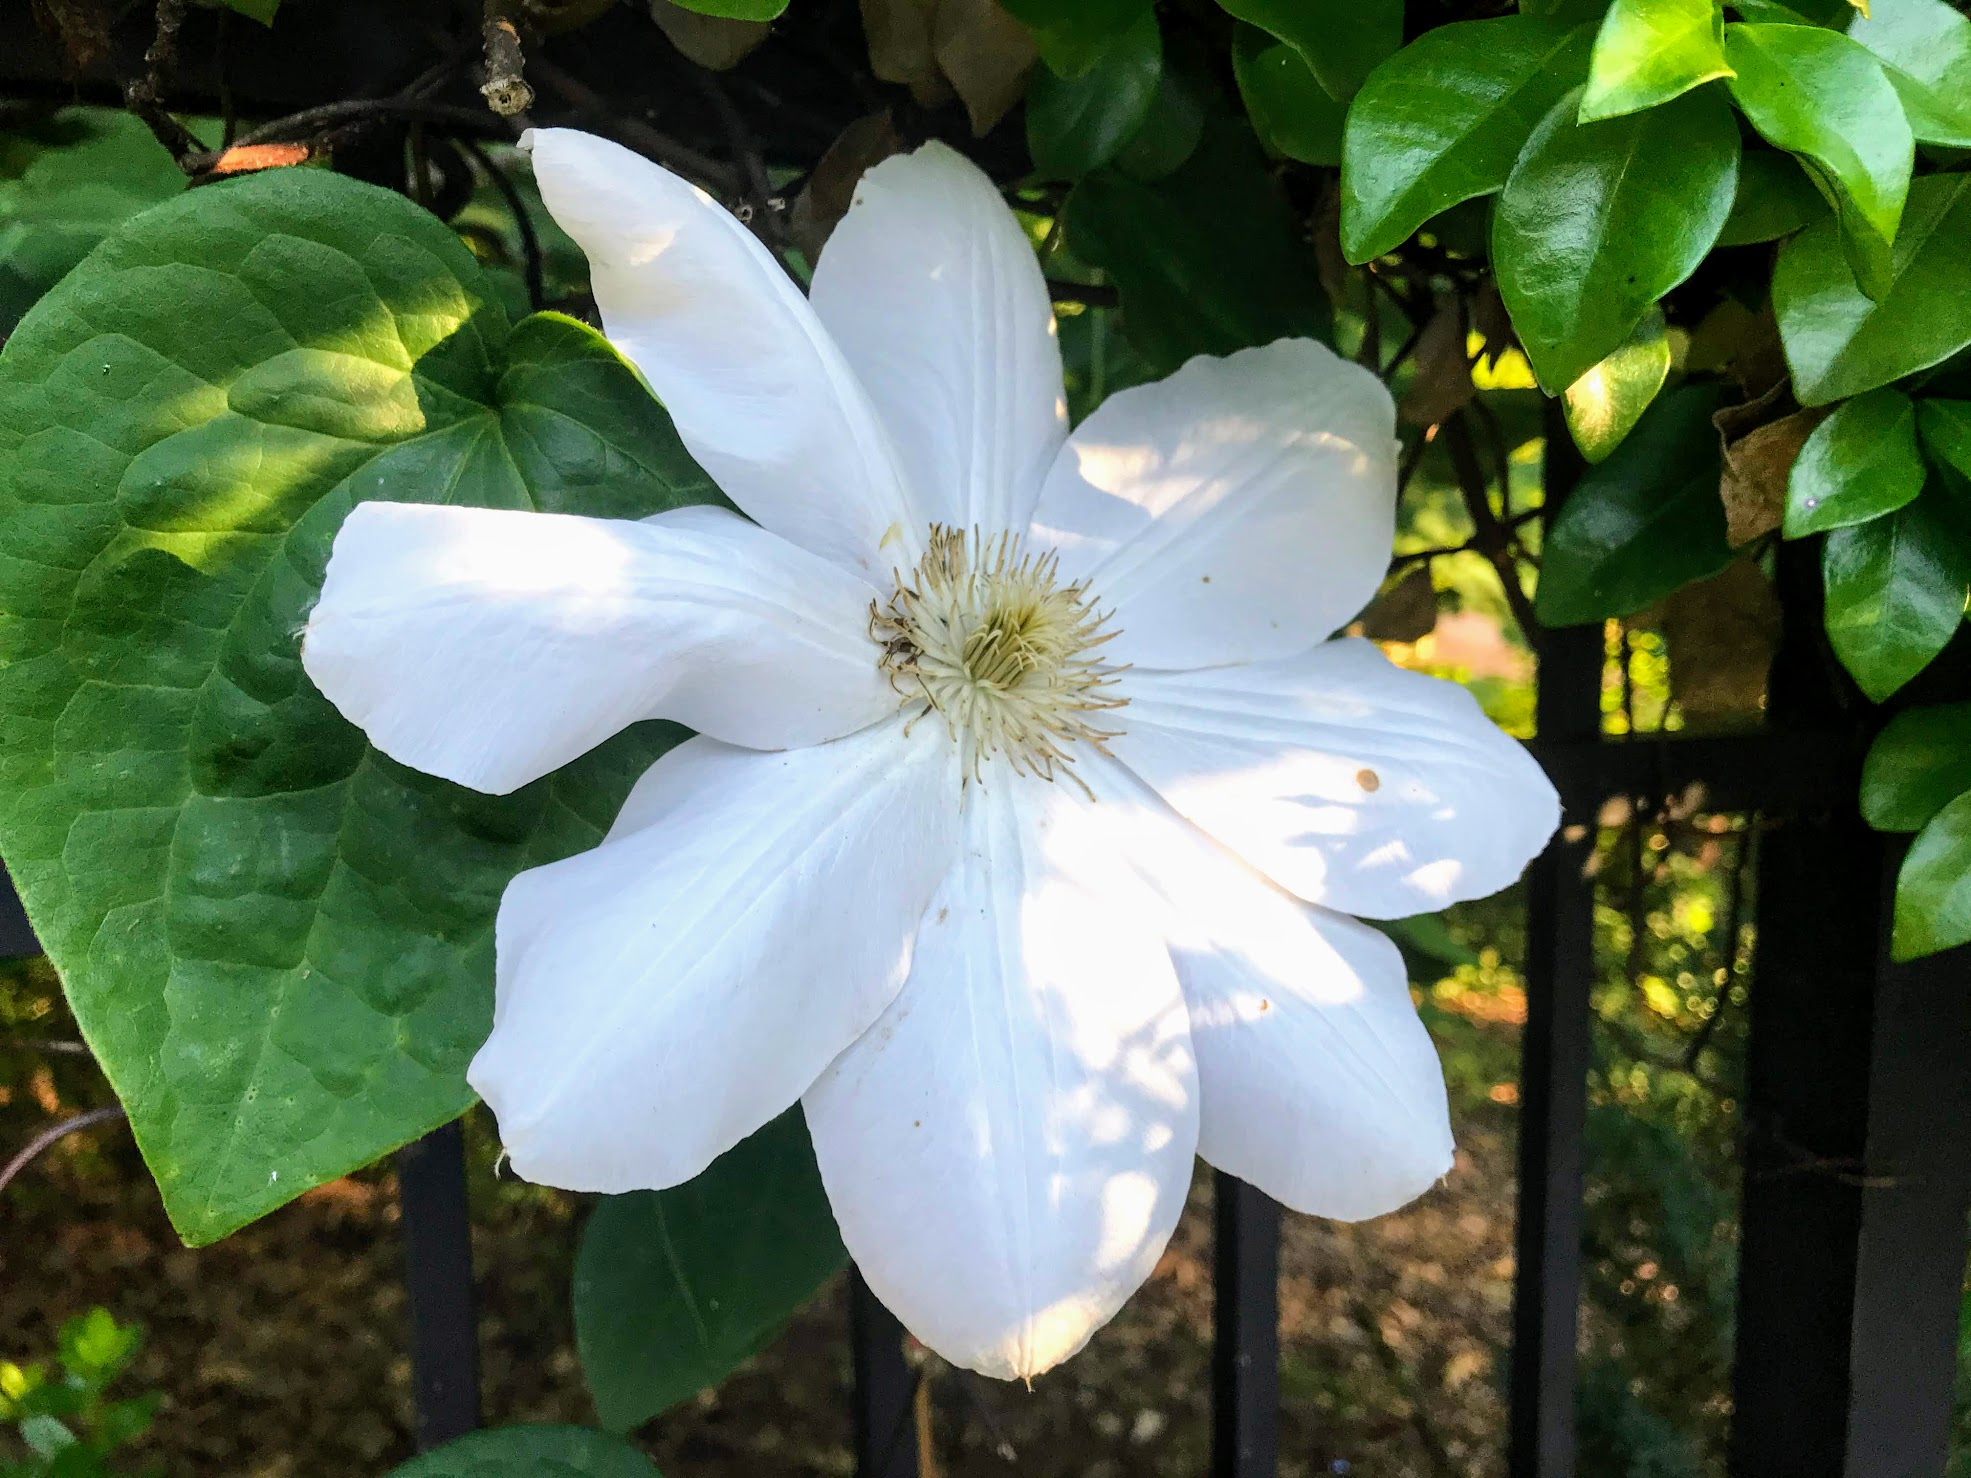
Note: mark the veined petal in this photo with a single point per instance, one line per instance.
(1008, 1149)
(662, 996)
(1344, 778)
(759, 393)
(935, 296)
(1317, 1081)
(1240, 509)
(490, 646)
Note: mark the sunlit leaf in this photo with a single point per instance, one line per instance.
(1649, 51)
(1925, 48)
(1603, 406)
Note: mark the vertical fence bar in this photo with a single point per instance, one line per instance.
(438, 1276)
(885, 1436)
(16, 938)
(1245, 1389)
(1554, 1050)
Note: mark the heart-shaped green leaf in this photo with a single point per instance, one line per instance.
(1599, 220)
(531, 1452)
(673, 1289)
(1895, 595)
(1643, 523)
(1925, 48)
(1838, 341)
(1820, 96)
(1919, 763)
(1860, 463)
(1341, 41)
(1933, 890)
(1076, 124)
(1649, 51)
(1443, 120)
(278, 943)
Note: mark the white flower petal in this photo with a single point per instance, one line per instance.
(1240, 509)
(1316, 1078)
(935, 296)
(491, 646)
(1343, 778)
(1008, 1149)
(664, 995)
(759, 392)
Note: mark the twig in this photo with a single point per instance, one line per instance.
(764, 217)
(44, 1044)
(667, 151)
(1492, 538)
(53, 1134)
(530, 242)
(1090, 294)
(144, 95)
(505, 88)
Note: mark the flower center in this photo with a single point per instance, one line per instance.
(984, 632)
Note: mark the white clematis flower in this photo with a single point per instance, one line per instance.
(1027, 809)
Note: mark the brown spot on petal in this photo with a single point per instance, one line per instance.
(1369, 780)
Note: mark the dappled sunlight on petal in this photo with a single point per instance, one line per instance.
(1009, 1148)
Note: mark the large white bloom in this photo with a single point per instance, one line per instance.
(1028, 808)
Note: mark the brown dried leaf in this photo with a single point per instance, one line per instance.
(1722, 633)
(714, 42)
(1442, 386)
(1407, 611)
(1494, 324)
(900, 48)
(986, 55)
(1757, 461)
(825, 198)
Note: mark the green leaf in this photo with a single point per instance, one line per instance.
(1643, 523)
(1649, 51)
(83, 173)
(1925, 49)
(1918, 764)
(278, 943)
(674, 1289)
(531, 1452)
(1838, 341)
(1291, 112)
(1599, 220)
(1603, 406)
(1860, 463)
(1944, 428)
(1895, 596)
(1208, 260)
(1077, 124)
(1173, 127)
(1822, 97)
(1443, 120)
(1775, 198)
(260, 10)
(738, 10)
(1933, 890)
(1072, 35)
(1342, 41)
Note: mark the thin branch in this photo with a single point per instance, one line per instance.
(53, 1134)
(1493, 537)
(143, 95)
(719, 178)
(1093, 295)
(530, 241)
(765, 216)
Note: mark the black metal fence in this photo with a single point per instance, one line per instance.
(1856, 1131)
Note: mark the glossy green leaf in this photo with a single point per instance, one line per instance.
(1895, 596)
(1077, 124)
(1775, 198)
(674, 1289)
(1860, 463)
(278, 943)
(1839, 342)
(260, 10)
(1944, 429)
(1925, 48)
(1649, 51)
(1919, 763)
(1603, 406)
(1290, 110)
(1643, 523)
(1933, 890)
(1073, 34)
(80, 174)
(1599, 220)
(1208, 260)
(738, 10)
(1443, 120)
(1342, 41)
(531, 1452)
(1173, 127)
(1822, 97)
